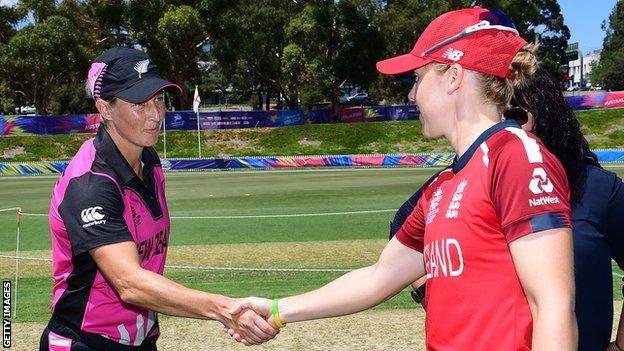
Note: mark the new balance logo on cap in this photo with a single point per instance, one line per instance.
(540, 182)
(91, 216)
(452, 54)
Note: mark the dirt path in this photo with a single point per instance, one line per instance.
(371, 330)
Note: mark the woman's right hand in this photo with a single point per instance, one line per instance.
(260, 306)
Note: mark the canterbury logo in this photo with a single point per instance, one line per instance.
(91, 214)
(540, 182)
(141, 67)
(452, 54)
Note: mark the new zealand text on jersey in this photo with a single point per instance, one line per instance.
(155, 245)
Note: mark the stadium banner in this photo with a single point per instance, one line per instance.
(596, 100)
(42, 125)
(587, 101)
(32, 168)
(232, 119)
(610, 155)
(352, 115)
(285, 162)
(187, 120)
(614, 99)
(283, 118)
(375, 113)
(401, 113)
(319, 116)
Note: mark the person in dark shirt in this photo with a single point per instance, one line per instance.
(597, 198)
(110, 225)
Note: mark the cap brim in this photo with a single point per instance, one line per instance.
(147, 87)
(401, 64)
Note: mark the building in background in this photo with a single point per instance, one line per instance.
(579, 67)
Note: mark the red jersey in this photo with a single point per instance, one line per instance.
(507, 185)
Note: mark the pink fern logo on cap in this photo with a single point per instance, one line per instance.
(94, 78)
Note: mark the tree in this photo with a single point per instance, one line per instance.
(174, 37)
(337, 43)
(181, 34)
(402, 22)
(40, 10)
(250, 51)
(9, 16)
(541, 20)
(99, 23)
(608, 72)
(41, 57)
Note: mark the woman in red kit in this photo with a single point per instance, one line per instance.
(491, 233)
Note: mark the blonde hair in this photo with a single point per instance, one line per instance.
(500, 91)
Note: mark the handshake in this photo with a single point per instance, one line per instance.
(252, 320)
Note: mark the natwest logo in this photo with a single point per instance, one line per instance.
(540, 182)
(544, 200)
(91, 216)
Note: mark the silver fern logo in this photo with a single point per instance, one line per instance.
(141, 67)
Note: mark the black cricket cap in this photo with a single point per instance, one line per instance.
(128, 74)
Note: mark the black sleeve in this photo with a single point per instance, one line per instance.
(406, 209)
(615, 234)
(92, 211)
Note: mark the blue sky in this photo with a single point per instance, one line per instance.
(584, 19)
(7, 2)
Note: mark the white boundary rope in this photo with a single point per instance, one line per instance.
(258, 216)
(210, 268)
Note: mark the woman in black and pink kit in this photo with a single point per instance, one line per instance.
(110, 225)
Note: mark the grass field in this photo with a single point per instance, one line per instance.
(309, 219)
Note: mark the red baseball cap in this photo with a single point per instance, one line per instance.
(476, 38)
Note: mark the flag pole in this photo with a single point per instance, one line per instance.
(198, 135)
(17, 239)
(196, 102)
(165, 136)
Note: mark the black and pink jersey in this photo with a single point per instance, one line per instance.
(506, 185)
(99, 200)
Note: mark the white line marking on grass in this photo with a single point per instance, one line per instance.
(259, 216)
(243, 269)
(285, 215)
(208, 268)
(35, 214)
(26, 258)
(9, 209)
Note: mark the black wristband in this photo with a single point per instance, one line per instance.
(418, 295)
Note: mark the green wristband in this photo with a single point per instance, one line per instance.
(275, 312)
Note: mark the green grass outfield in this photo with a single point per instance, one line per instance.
(332, 240)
